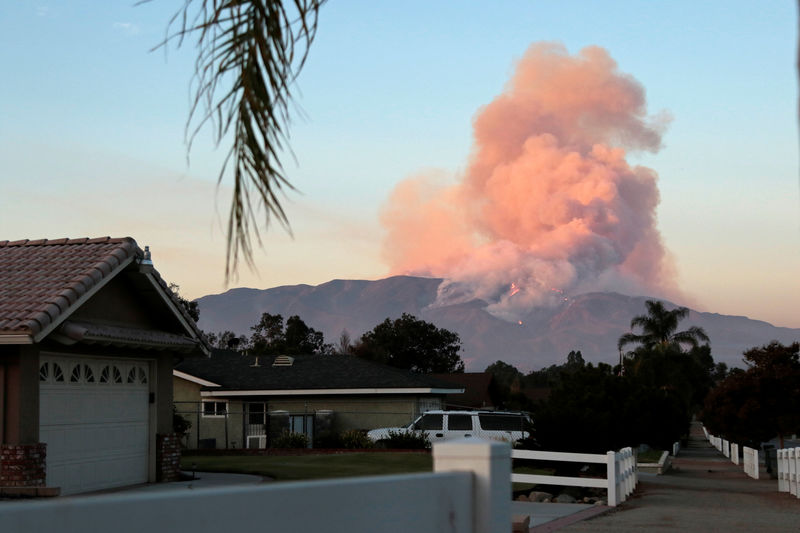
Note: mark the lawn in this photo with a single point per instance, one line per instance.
(650, 456)
(299, 467)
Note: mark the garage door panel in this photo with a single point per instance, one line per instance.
(96, 427)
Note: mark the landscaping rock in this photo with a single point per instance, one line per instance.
(565, 498)
(522, 498)
(539, 496)
(600, 502)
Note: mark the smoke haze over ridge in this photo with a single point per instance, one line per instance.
(548, 205)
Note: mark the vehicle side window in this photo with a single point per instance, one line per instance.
(459, 422)
(429, 421)
(502, 422)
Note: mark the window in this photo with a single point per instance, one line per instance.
(256, 414)
(503, 422)
(110, 374)
(459, 422)
(215, 408)
(51, 372)
(429, 422)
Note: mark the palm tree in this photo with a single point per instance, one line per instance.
(249, 54)
(659, 330)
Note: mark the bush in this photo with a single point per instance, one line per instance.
(328, 439)
(407, 440)
(355, 439)
(180, 425)
(291, 440)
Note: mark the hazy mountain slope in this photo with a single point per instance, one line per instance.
(589, 322)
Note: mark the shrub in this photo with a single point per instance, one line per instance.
(180, 425)
(355, 439)
(291, 440)
(328, 439)
(407, 440)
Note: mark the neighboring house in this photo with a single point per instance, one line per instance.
(238, 401)
(88, 335)
(479, 390)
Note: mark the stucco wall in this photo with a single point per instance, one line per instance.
(354, 412)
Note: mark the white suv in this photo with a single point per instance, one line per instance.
(450, 425)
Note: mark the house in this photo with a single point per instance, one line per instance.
(238, 401)
(479, 390)
(88, 335)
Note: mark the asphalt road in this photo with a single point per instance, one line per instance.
(704, 491)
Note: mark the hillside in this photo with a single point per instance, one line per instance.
(590, 322)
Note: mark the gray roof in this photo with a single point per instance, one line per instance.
(234, 371)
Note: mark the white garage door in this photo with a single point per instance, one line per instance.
(93, 416)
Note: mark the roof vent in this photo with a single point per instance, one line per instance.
(283, 360)
(146, 263)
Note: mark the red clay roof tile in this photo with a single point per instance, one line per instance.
(41, 279)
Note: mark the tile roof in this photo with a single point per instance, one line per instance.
(43, 281)
(234, 371)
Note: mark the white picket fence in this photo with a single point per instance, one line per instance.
(731, 450)
(621, 475)
(750, 460)
(788, 468)
(469, 491)
(734, 455)
(676, 447)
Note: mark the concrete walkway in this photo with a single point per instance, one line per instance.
(704, 491)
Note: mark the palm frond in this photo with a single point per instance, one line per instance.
(249, 54)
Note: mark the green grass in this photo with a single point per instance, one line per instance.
(300, 467)
(650, 456)
(324, 466)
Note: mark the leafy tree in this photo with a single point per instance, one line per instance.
(272, 337)
(192, 308)
(761, 402)
(504, 374)
(227, 340)
(413, 344)
(593, 410)
(659, 330)
(507, 388)
(345, 345)
(249, 55)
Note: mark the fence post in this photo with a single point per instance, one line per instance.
(797, 470)
(792, 470)
(611, 474)
(783, 485)
(490, 464)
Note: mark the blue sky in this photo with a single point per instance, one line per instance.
(92, 123)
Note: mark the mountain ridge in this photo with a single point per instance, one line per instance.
(589, 322)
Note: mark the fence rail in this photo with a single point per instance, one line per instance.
(469, 491)
(621, 475)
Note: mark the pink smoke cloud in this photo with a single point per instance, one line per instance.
(548, 200)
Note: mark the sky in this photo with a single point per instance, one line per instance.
(92, 124)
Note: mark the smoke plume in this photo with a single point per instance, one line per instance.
(548, 206)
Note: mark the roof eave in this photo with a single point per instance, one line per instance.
(16, 339)
(177, 312)
(331, 392)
